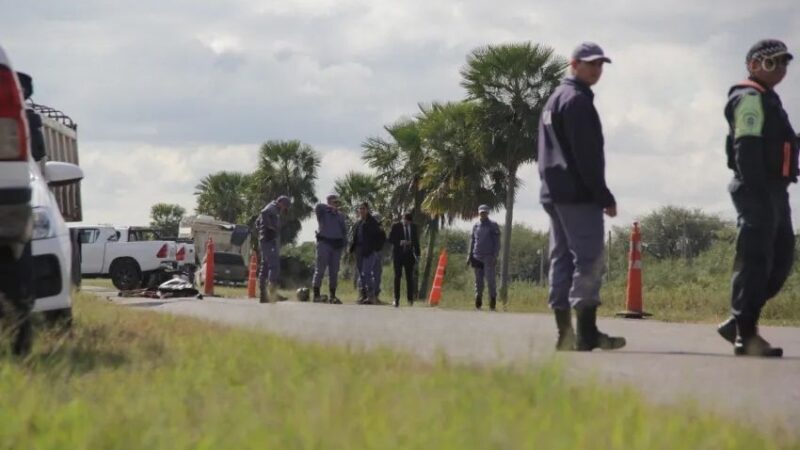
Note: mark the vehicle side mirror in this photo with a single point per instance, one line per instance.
(60, 173)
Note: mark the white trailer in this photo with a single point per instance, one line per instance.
(227, 236)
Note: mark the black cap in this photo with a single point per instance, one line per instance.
(588, 52)
(768, 48)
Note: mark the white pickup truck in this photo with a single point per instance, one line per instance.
(131, 256)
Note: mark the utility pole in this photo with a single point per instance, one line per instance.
(608, 258)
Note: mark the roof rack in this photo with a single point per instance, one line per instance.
(54, 114)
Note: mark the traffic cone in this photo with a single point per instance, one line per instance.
(251, 279)
(208, 287)
(436, 289)
(633, 298)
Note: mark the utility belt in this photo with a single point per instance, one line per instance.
(333, 242)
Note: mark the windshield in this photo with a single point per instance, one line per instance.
(229, 259)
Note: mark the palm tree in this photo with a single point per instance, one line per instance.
(285, 168)
(398, 163)
(356, 188)
(511, 83)
(221, 195)
(166, 217)
(457, 176)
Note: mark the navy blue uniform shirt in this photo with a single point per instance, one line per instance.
(571, 158)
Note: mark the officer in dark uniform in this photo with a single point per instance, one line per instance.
(269, 230)
(331, 240)
(762, 152)
(484, 249)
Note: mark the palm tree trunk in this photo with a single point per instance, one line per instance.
(511, 188)
(433, 231)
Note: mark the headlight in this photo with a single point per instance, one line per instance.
(42, 225)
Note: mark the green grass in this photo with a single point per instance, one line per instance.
(129, 378)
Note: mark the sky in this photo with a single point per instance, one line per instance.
(165, 92)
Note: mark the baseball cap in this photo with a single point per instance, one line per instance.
(284, 198)
(588, 52)
(331, 196)
(768, 48)
(483, 208)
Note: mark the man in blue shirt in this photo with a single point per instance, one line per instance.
(484, 248)
(575, 195)
(331, 240)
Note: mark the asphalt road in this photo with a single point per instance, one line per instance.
(667, 362)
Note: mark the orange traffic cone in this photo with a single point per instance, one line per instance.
(633, 301)
(208, 287)
(436, 289)
(251, 278)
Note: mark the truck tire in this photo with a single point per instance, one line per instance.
(126, 274)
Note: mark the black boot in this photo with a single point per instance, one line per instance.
(727, 330)
(566, 334)
(317, 298)
(333, 299)
(263, 296)
(478, 302)
(750, 343)
(493, 303)
(589, 337)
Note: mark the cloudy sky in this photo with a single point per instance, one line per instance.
(168, 91)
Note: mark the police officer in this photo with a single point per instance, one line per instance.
(762, 152)
(331, 240)
(575, 196)
(269, 230)
(484, 248)
(379, 263)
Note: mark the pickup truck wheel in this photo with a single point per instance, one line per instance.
(125, 274)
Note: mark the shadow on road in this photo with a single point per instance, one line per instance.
(703, 354)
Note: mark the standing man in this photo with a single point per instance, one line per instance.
(484, 248)
(368, 239)
(379, 263)
(405, 253)
(575, 196)
(269, 231)
(762, 152)
(331, 239)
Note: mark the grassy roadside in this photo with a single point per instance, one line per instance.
(135, 379)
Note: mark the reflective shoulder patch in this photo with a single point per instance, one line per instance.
(547, 117)
(748, 116)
